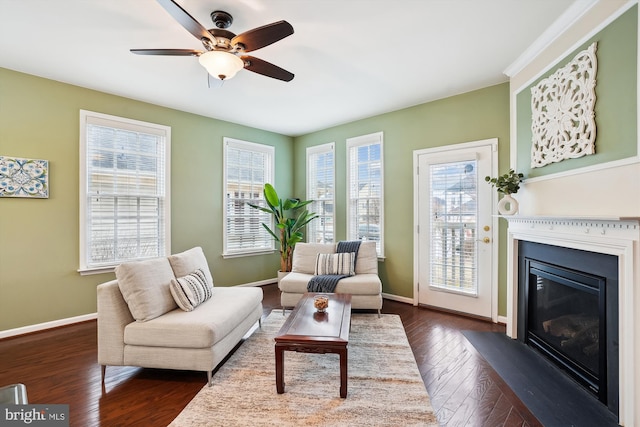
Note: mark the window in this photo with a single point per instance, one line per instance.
(321, 189)
(247, 167)
(453, 194)
(365, 206)
(124, 199)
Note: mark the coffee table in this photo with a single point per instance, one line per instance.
(307, 331)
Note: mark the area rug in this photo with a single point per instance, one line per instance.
(384, 387)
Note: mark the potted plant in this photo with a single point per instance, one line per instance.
(289, 221)
(507, 184)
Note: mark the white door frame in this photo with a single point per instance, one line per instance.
(493, 142)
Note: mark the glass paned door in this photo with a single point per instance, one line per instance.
(455, 228)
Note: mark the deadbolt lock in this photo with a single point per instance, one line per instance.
(487, 228)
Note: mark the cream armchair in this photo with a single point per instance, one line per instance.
(365, 286)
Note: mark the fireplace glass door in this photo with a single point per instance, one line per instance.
(566, 322)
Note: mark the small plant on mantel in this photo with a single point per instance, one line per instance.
(509, 183)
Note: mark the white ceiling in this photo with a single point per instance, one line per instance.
(351, 58)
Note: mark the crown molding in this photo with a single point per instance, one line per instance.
(559, 26)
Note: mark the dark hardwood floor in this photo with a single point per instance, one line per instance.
(60, 366)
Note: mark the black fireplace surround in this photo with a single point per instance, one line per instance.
(568, 312)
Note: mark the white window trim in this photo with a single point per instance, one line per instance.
(372, 138)
(269, 178)
(123, 123)
(319, 149)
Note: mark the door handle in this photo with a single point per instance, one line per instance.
(485, 240)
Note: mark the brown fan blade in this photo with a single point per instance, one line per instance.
(186, 20)
(265, 68)
(170, 52)
(263, 36)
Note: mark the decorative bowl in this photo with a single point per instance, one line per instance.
(321, 302)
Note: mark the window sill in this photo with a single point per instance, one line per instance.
(88, 271)
(246, 254)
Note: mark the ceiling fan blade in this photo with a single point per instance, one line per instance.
(186, 20)
(170, 52)
(265, 68)
(263, 36)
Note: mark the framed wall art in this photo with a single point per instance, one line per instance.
(24, 177)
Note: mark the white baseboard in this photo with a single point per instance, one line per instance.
(47, 325)
(91, 316)
(261, 282)
(398, 298)
(407, 300)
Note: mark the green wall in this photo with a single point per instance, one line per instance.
(39, 238)
(39, 118)
(616, 105)
(477, 115)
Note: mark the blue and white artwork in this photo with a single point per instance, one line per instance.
(24, 177)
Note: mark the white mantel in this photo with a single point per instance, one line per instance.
(619, 236)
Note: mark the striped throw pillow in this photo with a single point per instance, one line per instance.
(191, 290)
(339, 263)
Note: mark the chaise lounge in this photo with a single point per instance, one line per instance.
(140, 322)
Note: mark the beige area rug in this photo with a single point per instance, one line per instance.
(384, 387)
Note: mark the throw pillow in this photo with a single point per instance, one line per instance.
(191, 290)
(189, 261)
(145, 287)
(339, 263)
(305, 255)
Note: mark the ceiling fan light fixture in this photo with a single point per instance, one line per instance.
(221, 65)
(224, 53)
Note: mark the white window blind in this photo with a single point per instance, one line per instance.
(124, 199)
(321, 189)
(247, 167)
(365, 207)
(453, 195)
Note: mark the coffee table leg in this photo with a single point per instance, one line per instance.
(343, 373)
(279, 369)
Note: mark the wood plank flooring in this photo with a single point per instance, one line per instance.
(60, 366)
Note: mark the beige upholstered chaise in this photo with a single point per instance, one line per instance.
(140, 324)
(365, 286)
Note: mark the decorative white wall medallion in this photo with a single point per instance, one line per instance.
(563, 116)
(24, 177)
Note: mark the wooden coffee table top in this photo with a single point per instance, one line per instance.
(306, 325)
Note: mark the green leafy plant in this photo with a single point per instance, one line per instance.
(509, 183)
(289, 221)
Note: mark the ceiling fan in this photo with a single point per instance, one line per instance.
(224, 53)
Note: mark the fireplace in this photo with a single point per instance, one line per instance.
(618, 237)
(569, 311)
